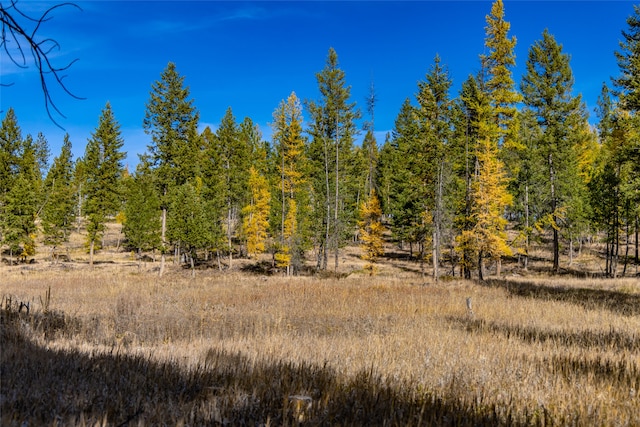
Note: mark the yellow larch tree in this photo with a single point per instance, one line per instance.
(371, 231)
(256, 213)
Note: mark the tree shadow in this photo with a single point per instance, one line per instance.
(587, 339)
(42, 386)
(591, 299)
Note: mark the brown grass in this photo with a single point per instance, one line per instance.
(116, 347)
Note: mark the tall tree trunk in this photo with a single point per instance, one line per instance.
(480, 266)
(554, 217)
(526, 224)
(336, 231)
(229, 242)
(637, 233)
(434, 254)
(163, 233)
(91, 250)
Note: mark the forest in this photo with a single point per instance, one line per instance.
(464, 180)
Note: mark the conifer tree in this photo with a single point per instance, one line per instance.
(213, 191)
(401, 160)
(256, 213)
(292, 183)
(188, 228)
(371, 230)
(234, 152)
(500, 84)
(489, 196)
(434, 119)
(20, 188)
(142, 225)
(10, 151)
(628, 57)
(463, 157)
(103, 162)
(546, 88)
(173, 155)
(628, 87)
(58, 212)
(332, 129)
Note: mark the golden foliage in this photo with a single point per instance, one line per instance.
(256, 214)
(371, 229)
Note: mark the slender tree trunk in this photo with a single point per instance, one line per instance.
(325, 245)
(193, 265)
(434, 254)
(336, 231)
(570, 251)
(91, 250)
(229, 242)
(626, 251)
(163, 233)
(480, 266)
(637, 233)
(554, 206)
(526, 224)
(437, 223)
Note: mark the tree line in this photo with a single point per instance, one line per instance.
(453, 174)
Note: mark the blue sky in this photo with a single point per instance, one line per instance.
(251, 55)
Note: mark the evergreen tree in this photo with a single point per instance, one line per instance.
(171, 120)
(234, 154)
(546, 88)
(58, 213)
(628, 57)
(188, 228)
(20, 192)
(401, 161)
(10, 152)
(213, 191)
(434, 118)
(103, 162)
(142, 225)
(332, 130)
(462, 154)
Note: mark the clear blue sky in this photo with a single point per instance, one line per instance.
(251, 55)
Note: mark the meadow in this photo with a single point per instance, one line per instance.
(117, 345)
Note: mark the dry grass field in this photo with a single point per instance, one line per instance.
(115, 345)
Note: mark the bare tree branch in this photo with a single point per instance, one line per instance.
(16, 38)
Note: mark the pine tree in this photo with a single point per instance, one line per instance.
(628, 57)
(172, 121)
(142, 225)
(463, 158)
(20, 188)
(628, 86)
(188, 228)
(10, 151)
(213, 191)
(401, 158)
(546, 88)
(434, 118)
(331, 150)
(58, 212)
(103, 162)
(234, 154)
